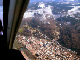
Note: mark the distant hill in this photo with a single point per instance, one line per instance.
(1, 2)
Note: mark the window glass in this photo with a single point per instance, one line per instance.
(50, 29)
(1, 17)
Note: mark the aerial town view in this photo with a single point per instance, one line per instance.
(50, 30)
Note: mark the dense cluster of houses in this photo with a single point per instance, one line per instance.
(43, 49)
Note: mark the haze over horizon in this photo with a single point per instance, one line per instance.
(54, 0)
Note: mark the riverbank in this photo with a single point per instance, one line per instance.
(24, 50)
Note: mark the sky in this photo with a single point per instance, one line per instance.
(1, 2)
(40, 0)
(50, 0)
(1, 10)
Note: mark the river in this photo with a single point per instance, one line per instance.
(25, 50)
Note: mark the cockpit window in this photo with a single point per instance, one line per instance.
(50, 29)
